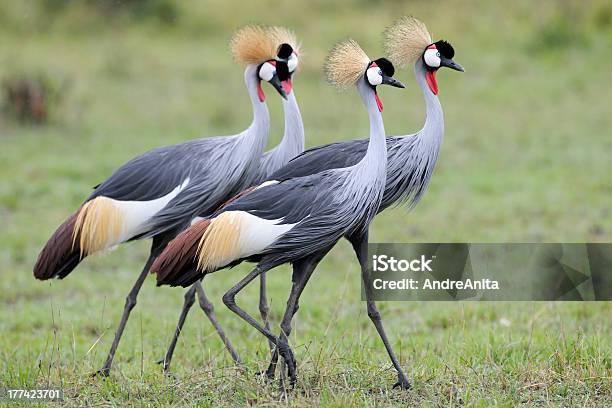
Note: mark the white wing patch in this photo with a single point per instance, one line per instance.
(137, 213)
(235, 235)
(267, 183)
(103, 222)
(256, 234)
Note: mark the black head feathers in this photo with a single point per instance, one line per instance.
(385, 66)
(445, 49)
(284, 51)
(282, 70)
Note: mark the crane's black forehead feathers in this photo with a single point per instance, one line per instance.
(385, 66)
(445, 49)
(284, 51)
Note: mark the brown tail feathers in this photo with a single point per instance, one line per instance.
(61, 253)
(177, 264)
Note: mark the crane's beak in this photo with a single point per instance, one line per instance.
(449, 63)
(276, 83)
(387, 80)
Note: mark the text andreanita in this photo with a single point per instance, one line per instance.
(434, 284)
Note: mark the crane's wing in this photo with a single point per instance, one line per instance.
(116, 209)
(156, 172)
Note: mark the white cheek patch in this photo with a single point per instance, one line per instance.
(374, 76)
(292, 62)
(432, 58)
(267, 71)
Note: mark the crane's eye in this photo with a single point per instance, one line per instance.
(374, 76)
(432, 58)
(292, 62)
(267, 71)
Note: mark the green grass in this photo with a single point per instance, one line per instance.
(526, 157)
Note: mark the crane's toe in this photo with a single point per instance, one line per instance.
(403, 383)
(104, 372)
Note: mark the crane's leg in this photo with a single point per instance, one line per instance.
(264, 310)
(302, 271)
(188, 302)
(360, 245)
(283, 348)
(209, 310)
(130, 302)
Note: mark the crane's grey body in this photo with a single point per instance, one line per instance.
(411, 158)
(160, 192)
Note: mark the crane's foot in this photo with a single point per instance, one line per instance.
(104, 372)
(287, 354)
(269, 372)
(403, 383)
(166, 368)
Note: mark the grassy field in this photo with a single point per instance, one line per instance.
(526, 158)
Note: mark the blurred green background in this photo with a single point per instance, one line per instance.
(526, 158)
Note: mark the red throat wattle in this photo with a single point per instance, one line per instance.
(287, 86)
(260, 92)
(378, 101)
(430, 76)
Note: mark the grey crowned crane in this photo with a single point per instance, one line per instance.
(411, 158)
(292, 220)
(157, 194)
(291, 145)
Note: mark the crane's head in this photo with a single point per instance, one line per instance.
(287, 55)
(437, 55)
(255, 45)
(288, 50)
(408, 42)
(347, 64)
(274, 72)
(380, 72)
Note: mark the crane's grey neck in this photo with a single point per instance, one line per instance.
(433, 129)
(414, 157)
(376, 155)
(292, 142)
(255, 137)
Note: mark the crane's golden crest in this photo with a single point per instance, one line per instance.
(282, 35)
(345, 64)
(220, 242)
(98, 223)
(253, 44)
(406, 40)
